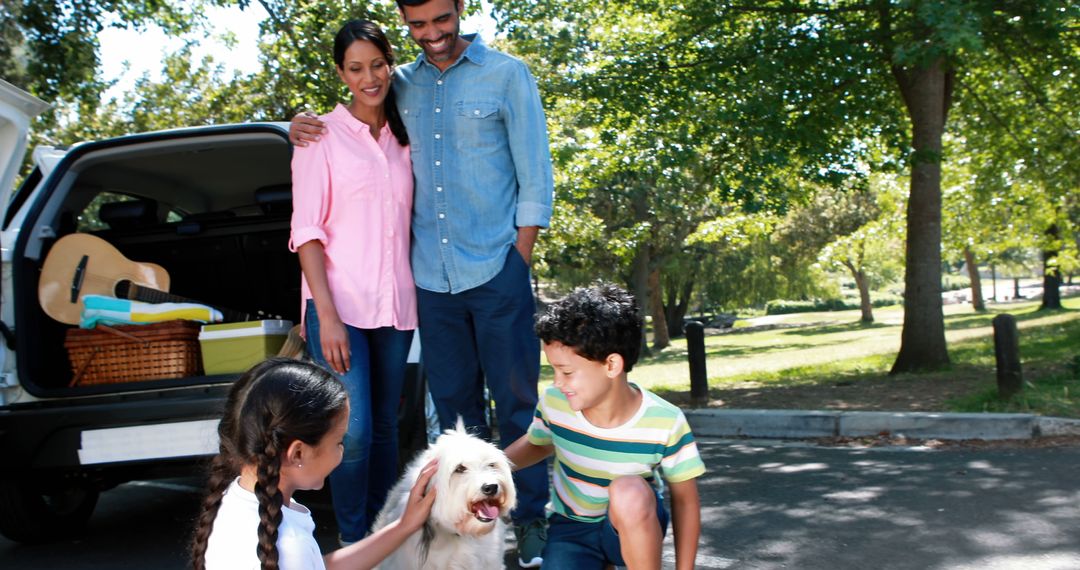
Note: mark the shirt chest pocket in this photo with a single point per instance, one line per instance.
(480, 124)
(411, 117)
(359, 179)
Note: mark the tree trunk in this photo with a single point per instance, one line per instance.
(993, 282)
(688, 293)
(927, 91)
(1051, 271)
(639, 285)
(639, 271)
(675, 329)
(676, 307)
(661, 338)
(1016, 288)
(864, 294)
(976, 284)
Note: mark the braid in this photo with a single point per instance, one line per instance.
(270, 501)
(221, 476)
(222, 473)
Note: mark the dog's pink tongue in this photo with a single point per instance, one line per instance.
(487, 510)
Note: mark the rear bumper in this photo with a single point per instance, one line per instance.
(118, 431)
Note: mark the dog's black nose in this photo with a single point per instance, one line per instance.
(489, 489)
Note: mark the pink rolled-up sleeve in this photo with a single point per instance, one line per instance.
(310, 195)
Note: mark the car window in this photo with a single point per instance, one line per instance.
(89, 220)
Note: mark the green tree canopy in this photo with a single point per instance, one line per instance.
(779, 86)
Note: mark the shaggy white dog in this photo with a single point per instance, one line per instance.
(474, 492)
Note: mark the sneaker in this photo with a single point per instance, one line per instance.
(531, 538)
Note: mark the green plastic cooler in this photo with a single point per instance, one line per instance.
(235, 347)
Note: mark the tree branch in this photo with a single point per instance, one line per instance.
(280, 23)
(950, 82)
(885, 41)
(1034, 158)
(790, 9)
(1039, 95)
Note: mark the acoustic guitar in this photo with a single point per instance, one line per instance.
(82, 264)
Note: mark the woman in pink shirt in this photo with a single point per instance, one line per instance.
(352, 200)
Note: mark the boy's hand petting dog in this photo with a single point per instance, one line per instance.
(421, 498)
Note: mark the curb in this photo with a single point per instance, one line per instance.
(1058, 427)
(801, 424)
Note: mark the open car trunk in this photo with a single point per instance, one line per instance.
(210, 205)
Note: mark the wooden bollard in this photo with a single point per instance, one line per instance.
(1010, 378)
(695, 351)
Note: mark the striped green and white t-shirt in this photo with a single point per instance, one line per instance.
(657, 441)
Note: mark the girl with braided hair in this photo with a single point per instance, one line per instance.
(282, 431)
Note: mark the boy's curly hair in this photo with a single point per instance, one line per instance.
(595, 321)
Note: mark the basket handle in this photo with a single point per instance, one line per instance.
(84, 367)
(128, 336)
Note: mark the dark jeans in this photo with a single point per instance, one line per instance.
(487, 332)
(582, 545)
(376, 374)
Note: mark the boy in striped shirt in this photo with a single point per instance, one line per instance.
(611, 440)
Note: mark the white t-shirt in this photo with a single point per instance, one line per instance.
(235, 535)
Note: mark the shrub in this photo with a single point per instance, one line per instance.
(885, 299)
(954, 282)
(785, 307)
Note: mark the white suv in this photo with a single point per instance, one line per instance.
(212, 206)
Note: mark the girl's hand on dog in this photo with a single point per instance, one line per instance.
(421, 498)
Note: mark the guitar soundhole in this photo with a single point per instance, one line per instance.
(122, 289)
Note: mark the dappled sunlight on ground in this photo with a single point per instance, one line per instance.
(904, 508)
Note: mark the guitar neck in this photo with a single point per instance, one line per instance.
(134, 292)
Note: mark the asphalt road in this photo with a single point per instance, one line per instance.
(764, 505)
(768, 506)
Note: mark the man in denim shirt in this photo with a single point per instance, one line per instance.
(483, 190)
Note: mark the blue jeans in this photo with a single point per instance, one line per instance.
(487, 332)
(582, 545)
(376, 374)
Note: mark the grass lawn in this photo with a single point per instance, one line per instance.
(834, 349)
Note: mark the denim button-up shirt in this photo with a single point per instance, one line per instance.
(481, 163)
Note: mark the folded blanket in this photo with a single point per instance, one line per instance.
(99, 309)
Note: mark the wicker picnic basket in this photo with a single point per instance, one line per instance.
(129, 353)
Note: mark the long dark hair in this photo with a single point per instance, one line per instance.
(363, 30)
(273, 404)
